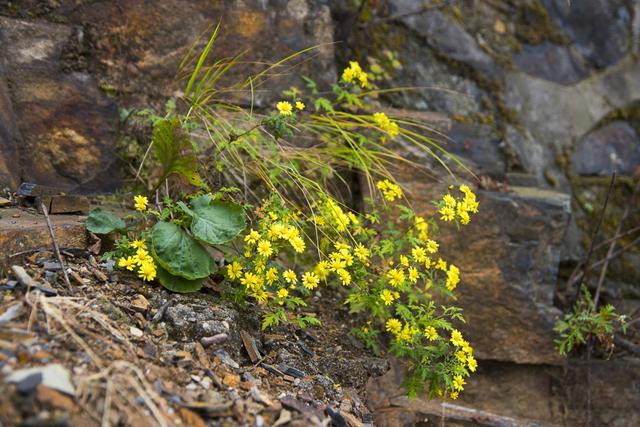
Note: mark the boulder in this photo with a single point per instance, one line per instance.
(614, 147)
(559, 64)
(68, 127)
(600, 29)
(509, 257)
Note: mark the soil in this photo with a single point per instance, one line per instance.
(135, 354)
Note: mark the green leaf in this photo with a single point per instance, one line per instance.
(174, 150)
(177, 283)
(179, 253)
(215, 222)
(103, 222)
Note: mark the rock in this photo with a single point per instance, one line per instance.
(231, 380)
(51, 397)
(509, 258)
(68, 127)
(559, 64)
(12, 312)
(600, 29)
(226, 358)
(481, 145)
(54, 376)
(445, 36)
(613, 148)
(28, 383)
(140, 304)
(10, 137)
(214, 340)
(29, 231)
(135, 332)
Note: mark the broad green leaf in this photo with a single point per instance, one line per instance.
(215, 222)
(103, 222)
(177, 283)
(179, 253)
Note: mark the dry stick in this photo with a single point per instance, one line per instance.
(612, 246)
(593, 239)
(56, 249)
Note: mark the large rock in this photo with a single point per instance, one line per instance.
(444, 35)
(509, 256)
(560, 64)
(504, 394)
(612, 148)
(600, 29)
(9, 137)
(68, 127)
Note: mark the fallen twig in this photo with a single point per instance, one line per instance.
(56, 249)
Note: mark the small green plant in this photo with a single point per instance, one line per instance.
(302, 234)
(586, 321)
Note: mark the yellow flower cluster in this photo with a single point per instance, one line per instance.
(389, 190)
(402, 333)
(453, 277)
(354, 73)
(284, 108)
(140, 203)
(384, 123)
(141, 261)
(452, 208)
(464, 351)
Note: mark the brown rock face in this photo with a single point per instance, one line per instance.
(508, 256)
(58, 73)
(68, 126)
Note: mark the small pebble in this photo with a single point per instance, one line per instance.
(136, 332)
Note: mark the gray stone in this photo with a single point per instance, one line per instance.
(479, 144)
(612, 148)
(600, 29)
(54, 376)
(445, 36)
(559, 64)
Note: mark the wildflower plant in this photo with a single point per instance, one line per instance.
(300, 234)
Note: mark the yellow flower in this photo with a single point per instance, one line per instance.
(387, 297)
(453, 277)
(284, 108)
(431, 333)
(310, 281)
(447, 213)
(458, 383)
(290, 276)
(361, 252)
(419, 254)
(466, 347)
(252, 237)
(354, 72)
(389, 190)
(394, 326)
(264, 248)
(449, 200)
(271, 275)
(141, 203)
(406, 334)
(141, 256)
(147, 271)
(276, 231)
(234, 270)
(297, 244)
(404, 260)
(250, 280)
(384, 123)
(456, 338)
(322, 270)
(396, 277)
(472, 363)
(299, 105)
(454, 395)
(441, 264)
(461, 356)
(259, 266)
(413, 274)
(260, 295)
(432, 246)
(345, 277)
(138, 244)
(129, 263)
(283, 293)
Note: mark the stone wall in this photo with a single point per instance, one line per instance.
(540, 95)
